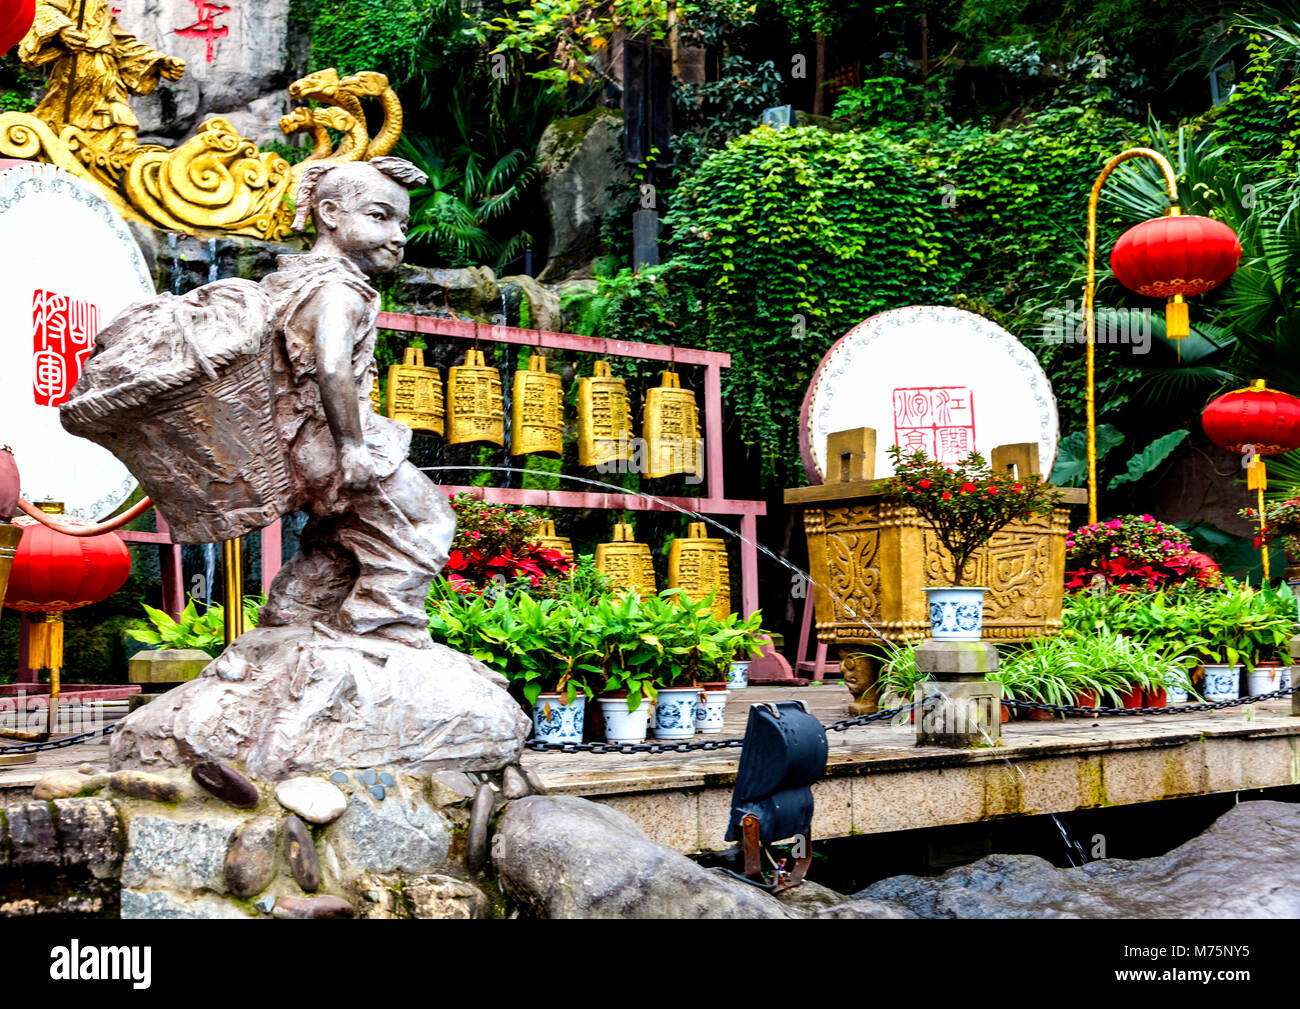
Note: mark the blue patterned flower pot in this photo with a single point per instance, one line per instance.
(710, 704)
(557, 722)
(738, 676)
(956, 613)
(675, 713)
(1222, 683)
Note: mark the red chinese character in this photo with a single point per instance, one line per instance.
(63, 337)
(939, 420)
(206, 27)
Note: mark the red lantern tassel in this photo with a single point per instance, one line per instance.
(1257, 476)
(1177, 322)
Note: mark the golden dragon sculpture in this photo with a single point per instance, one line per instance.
(215, 181)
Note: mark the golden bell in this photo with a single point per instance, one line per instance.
(475, 409)
(415, 393)
(698, 566)
(604, 418)
(376, 397)
(536, 410)
(548, 540)
(672, 430)
(625, 562)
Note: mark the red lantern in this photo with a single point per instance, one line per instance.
(54, 572)
(1173, 257)
(16, 18)
(1256, 421)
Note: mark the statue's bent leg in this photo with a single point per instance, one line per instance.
(314, 583)
(399, 534)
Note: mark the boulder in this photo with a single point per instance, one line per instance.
(284, 703)
(560, 856)
(1251, 847)
(578, 160)
(531, 304)
(468, 291)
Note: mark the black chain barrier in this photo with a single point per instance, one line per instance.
(842, 725)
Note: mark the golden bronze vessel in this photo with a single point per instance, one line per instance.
(697, 564)
(549, 540)
(604, 418)
(625, 562)
(376, 395)
(415, 393)
(671, 426)
(9, 537)
(475, 409)
(536, 410)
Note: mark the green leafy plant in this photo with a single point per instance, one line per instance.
(204, 630)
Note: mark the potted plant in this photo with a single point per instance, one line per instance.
(965, 504)
(1134, 552)
(631, 655)
(183, 647)
(1281, 521)
(1269, 633)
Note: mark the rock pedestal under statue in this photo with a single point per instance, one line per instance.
(283, 704)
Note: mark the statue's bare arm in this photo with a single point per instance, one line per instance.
(335, 315)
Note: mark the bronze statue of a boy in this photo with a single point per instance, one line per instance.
(379, 529)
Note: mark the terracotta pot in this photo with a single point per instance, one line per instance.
(1132, 697)
(1006, 714)
(1157, 698)
(1041, 716)
(1085, 699)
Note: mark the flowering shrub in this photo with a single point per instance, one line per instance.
(1281, 522)
(965, 503)
(1134, 551)
(498, 545)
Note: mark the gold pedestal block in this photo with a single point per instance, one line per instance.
(415, 393)
(475, 409)
(870, 559)
(626, 563)
(698, 566)
(604, 418)
(536, 410)
(550, 541)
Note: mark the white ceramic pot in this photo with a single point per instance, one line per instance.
(675, 713)
(738, 676)
(709, 708)
(557, 722)
(1286, 678)
(1222, 683)
(956, 612)
(621, 725)
(1264, 680)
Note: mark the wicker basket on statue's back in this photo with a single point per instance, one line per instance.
(179, 389)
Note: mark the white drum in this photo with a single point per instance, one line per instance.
(71, 265)
(928, 377)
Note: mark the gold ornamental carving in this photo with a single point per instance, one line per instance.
(671, 426)
(475, 409)
(215, 181)
(697, 564)
(604, 418)
(415, 393)
(625, 562)
(536, 410)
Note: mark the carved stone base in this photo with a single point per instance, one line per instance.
(962, 715)
(285, 701)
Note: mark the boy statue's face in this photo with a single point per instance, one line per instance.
(368, 225)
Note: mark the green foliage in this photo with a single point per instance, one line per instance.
(575, 641)
(205, 631)
(356, 35)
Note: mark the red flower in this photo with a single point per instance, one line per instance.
(991, 489)
(945, 496)
(924, 485)
(968, 488)
(1018, 488)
